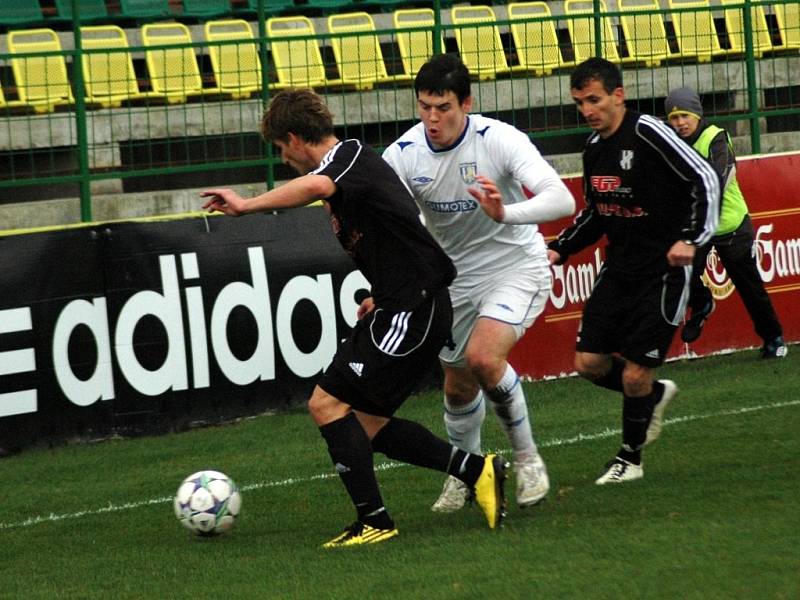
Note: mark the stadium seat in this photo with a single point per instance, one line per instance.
(416, 47)
(581, 31)
(271, 7)
(42, 81)
(298, 62)
(695, 32)
(236, 66)
(172, 64)
(536, 42)
(788, 17)
(21, 13)
(206, 9)
(645, 34)
(108, 70)
(88, 10)
(478, 40)
(358, 52)
(734, 23)
(144, 10)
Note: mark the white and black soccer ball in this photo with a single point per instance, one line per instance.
(207, 503)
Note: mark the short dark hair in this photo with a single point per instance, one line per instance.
(441, 74)
(302, 112)
(600, 69)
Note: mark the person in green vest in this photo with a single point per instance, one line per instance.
(734, 239)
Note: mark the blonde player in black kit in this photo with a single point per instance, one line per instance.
(402, 325)
(655, 200)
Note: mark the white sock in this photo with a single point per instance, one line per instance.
(508, 401)
(463, 423)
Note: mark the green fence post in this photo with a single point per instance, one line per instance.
(80, 117)
(598, 29)
(437, 27)
(262, 50)
(750, 69)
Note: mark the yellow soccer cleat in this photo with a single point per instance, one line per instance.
(360, 533)
(489, 489)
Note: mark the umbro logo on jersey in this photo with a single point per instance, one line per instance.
(653, 354)
(421, 179)
(357, 368)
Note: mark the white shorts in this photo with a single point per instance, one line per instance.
(515, 297)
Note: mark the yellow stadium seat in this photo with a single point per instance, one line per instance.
(108, 70)
(581, 31)
(298, 62)
(359, 56)
(478, 40)
(645, 34)
(416, 47)
(734, 23)
(236, 66)
(536, 42)
(42, 81)
(174, 71)
(788, 17)
(695, 32)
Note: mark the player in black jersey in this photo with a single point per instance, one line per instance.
(655, 200)
(402, 325)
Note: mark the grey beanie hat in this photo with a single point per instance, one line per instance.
(683, 100)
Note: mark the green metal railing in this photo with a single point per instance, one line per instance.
(77, 143)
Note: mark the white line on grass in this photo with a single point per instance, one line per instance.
(581, 437)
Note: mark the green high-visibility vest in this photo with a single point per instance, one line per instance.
(734, 208)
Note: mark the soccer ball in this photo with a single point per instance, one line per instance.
(207, 503)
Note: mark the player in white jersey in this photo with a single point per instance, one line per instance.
(482, 187)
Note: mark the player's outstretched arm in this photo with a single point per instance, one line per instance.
(489, 197)
(297, 192)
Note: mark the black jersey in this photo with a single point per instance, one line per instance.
(645, 189)
(377, 222)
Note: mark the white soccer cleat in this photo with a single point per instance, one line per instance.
(532, 481)
(620, 471)
(657, 420)
(454, 496)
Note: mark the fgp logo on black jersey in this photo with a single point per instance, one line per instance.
(605, 183)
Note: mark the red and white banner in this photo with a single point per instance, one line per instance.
(771, 185)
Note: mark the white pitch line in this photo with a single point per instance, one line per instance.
(553, 443)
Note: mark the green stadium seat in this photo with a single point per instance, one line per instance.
(206, 9)
(141, 11)
(88, 10)
(20, 13)
(271, 7)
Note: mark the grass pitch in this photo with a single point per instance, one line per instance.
(716, 515)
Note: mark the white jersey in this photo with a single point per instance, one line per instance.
(439, 179)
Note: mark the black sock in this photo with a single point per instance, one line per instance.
(636, 413)
(412, 443)
(351, 453)
(613, 379)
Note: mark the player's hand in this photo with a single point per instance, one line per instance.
(681, 254)
(367, 306)
(224, 201)
(489, 198)
(553, 257)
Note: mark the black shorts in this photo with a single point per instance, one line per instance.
(377, 367)
(636, 317)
